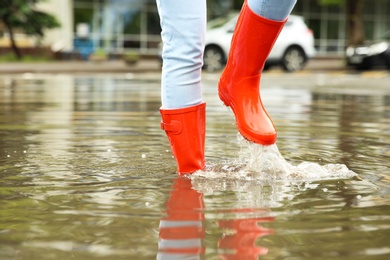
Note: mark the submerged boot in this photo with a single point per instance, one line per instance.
(186, 128)
(238, 86)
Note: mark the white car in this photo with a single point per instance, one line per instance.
(293, 48)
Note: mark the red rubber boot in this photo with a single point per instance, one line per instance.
(186, 128)
(238, 86)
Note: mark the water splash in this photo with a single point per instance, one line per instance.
(265, 163)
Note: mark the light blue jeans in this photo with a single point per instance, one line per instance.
(183, 24)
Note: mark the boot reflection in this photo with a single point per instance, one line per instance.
(182, 231)
(242, 243)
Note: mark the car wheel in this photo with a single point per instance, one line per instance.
(365, 65)
(267, 66)
(293, 59)
(213, 59)
(388, 62)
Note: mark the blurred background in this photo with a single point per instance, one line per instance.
(112, 29)
(86, 173)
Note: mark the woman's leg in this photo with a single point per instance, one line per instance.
(277, 10)
(183, 113)
(183, 24)
(258, 27)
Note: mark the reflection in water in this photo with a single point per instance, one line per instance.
(241, 243)
(182, 231)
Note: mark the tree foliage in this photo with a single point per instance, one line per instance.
(331, 2)
(22, 15)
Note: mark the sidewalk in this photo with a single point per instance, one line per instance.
(145, 65)
(56, 67)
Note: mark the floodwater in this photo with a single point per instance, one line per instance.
(86, 173)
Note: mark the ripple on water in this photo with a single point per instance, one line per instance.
(265, 163)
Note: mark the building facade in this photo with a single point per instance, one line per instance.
(117, 26)
(329, 23)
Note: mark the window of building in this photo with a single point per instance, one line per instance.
(117, 26)
(329, 23)
(120, 25)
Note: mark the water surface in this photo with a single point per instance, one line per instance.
(86, 173)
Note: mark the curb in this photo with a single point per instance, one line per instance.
(315, 65)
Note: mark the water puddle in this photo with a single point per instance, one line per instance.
(86, 173)
(265, 163)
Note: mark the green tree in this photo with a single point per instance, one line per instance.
(354, 15)
(237, 4)
(22, 15)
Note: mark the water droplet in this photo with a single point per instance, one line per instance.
(359, 197)
(109, 150)
(143, 156)
(325, 190)
(8, 155)
(147, 204)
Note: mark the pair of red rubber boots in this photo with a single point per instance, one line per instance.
(238, 88)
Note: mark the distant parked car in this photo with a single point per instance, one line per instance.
(293, 48)
(370, 55)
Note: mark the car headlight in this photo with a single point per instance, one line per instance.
(362, 50)
(378, 48)
(350, 51)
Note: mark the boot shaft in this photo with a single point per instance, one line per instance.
(186, 129)
(252, 42)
